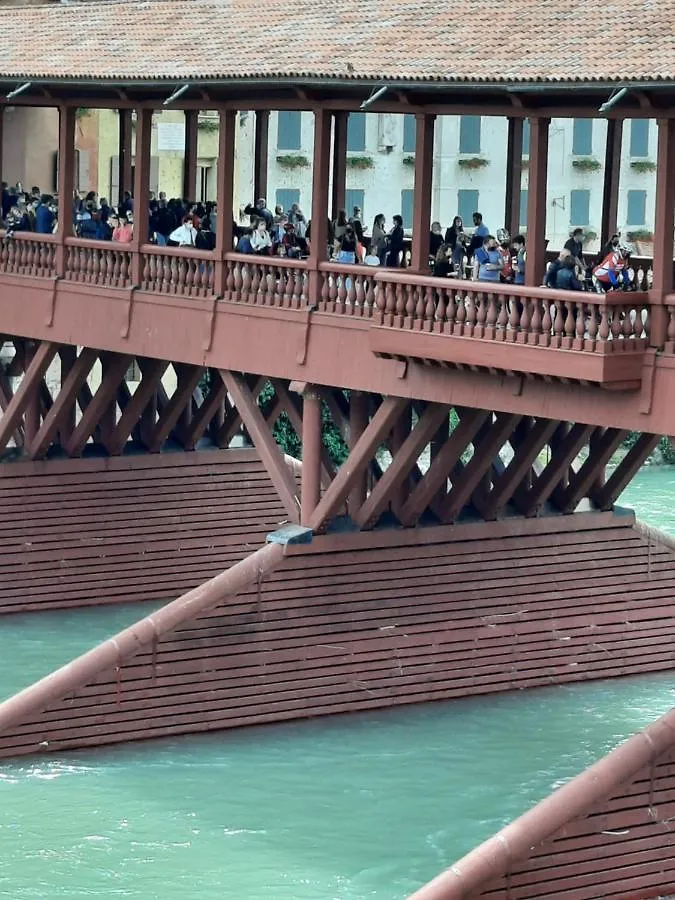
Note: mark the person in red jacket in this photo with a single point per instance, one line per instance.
(612, 273)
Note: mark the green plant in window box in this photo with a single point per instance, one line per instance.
(360, 162)
(587, 164)
(640, 234)
(208, 126)
(293, 161)
(643, 165)
(589, 236)
(408, 160)
(472, 162)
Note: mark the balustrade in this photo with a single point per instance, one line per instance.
(670, 332)
(25, 253)
(535, 316)
(265, 281)
(177, 270)
(103, 263)
(347, 290)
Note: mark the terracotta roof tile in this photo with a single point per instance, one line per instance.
(378, 40)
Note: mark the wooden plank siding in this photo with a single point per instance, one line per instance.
(365, 621)
(147, 527)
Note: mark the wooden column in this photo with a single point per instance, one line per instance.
(514, 170)
(141, 190)
(311, 454)
(68, 357)
(610, 191)
(320, 179)
(66, 183)
(125, 155)
(339, 185)
(2, 121)
(424, 170)
(358, 422)
(536, 202)
(662, 283)
(224, 193)
(190, 158)
(32, 411)
(262, 127)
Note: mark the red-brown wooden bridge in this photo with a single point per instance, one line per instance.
(470, 542)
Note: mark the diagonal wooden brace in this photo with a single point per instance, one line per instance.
(188, 379)
(606, 496)
(26, 390)
(590, 470)
(153, 370)
(97, 405)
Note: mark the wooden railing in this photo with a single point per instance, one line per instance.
(98, 262)
(265, 281)
(25, 253)
(670, 328)
(347, 290)
(182, 271)
(512, 313)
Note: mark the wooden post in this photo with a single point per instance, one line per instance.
(2, 120)
(358, 422)
(190, 158)
(125, 154)
(319, 220)
(311, 454)
(224, 194)
(514, 170)
(66, 183)
(262, 127)
(32, 411)
(662, 282)
(141, 190)
(536, 202)
(339, 184)
(424, 171)
(610, 191)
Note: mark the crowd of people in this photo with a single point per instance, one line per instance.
(458, 253)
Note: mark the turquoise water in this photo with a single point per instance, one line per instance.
(364, 806)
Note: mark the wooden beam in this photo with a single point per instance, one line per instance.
(320, 178)
(536, 202)
(105, 393)
(261, 151)
(339, 180)
(225, 194)
(311, 454)
(402, 463)
(448, 455)
(190, 155)
(590, 471)
(22, 397)
(480, 462)
(358, 422)
(662, 279)
(68, 358)
(125, 155)
(66, 184)
(606, 495)
(424, 174)
(188, 379)
(192, 431)
(610, 191)
(295, 417)
(531, 501)
(141, 190)
(153, 370)
(5, 398)
(63, 406)
(514, 169)
(377, 430)
(261, 435)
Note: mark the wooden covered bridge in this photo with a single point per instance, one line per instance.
(469, 541)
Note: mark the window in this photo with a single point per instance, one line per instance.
(582, 138)
(286, 197)
(580, 204)
(467, 205)
(353, 198)
(636, 208)
(639, 137)
(356, 131)
(526, 137)
(288, 130)
(407, 208)
(408, 133)
(469, 134)
(522, 218)
(133, 372)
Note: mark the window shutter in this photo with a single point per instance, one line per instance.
(467, 205)
(356, 131)
(639, 137)
(154, 174)
(408, 133)
(522, 218)
(114, 193)
(526, 137)
(83, 170)
(286, 197)
(636, 212)
(289, 127)
(582, 137)
(407, 198)
(469, 134)
(353, 198)
(580, 204)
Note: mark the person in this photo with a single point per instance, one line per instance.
(105, 210)
(504, 242)
(185, 235)
(297, 219)
(480, 233)
(487, 261)
(611, 245)
(123, 230)
(378, 240)
(521, 256)
(162, 222)
(357, 224)
(566, 275)
(289, 241)
(435, 239)
(395, 243)
(612, 273)
(347, 252)
(575, 244)
(459, 252)
(244, 242)
(552, 271)
(453, 232)
(443, 262)
(127, 204)
(44, 217)
(339, 228)
(260, 211)
(261, 242)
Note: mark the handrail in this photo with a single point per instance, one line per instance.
(142, 634)
(29, 236)
(180, 252)
(92, 244)
(283, 262)
(495, 857)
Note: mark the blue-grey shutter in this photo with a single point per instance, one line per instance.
(408, 133)
(580, 204)
(467, 205)
(356, 131)
(353, 198)
(407, 208)
(286, 197)
(582, 137)
(289, 124)
(522, 217)
(469, 134)
(526, 137)
(639, 137)
(636, 210)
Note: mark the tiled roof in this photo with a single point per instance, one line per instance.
(378, 40)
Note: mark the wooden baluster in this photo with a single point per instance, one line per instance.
(460, 314)
(390, 304)
(341, 293)
(502, 317)
(299, 300)
(524, 334)
(147, 265)
(229, 281)
(380, 303)
(369, 301)
(351, 294)
(96, 266)
(287, 276)
(324, 299)
(401, 302)
(535, 324)
(491, 316)
(22, 257)
(414, 308)
(31, 255)
(515, 306)
(441, 311)
(429, 309)
(471, 313)
(546, 323)
(629, 327)
(604, 322)
(558, 325)
(237, 282)
(593, 326)
(360, 295)
(570, 324)
(617, 324)
(449, 320)
(481, 314)
(125, 268)
(580, 313)
(670, 333)
(276, 285)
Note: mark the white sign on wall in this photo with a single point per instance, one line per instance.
(171, 136)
